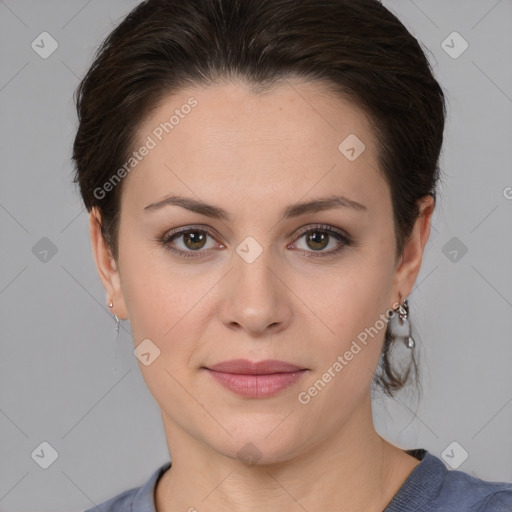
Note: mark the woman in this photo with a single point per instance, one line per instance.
(261, 177)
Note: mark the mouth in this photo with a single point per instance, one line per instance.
(260, 379)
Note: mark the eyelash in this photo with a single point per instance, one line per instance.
(345, 241)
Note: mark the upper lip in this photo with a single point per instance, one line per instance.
(244, 366)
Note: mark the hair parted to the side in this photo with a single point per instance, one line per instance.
(357, 47)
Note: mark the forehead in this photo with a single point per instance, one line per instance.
(292, 137)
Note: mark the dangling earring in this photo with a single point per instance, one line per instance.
(403, 315)
(111, 305)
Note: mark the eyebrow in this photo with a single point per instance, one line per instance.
(293, 210)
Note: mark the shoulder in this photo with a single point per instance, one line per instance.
(432, 487)
(475, 494)
(138, 499)
(498, 501)
(122, 502)
(460, 491)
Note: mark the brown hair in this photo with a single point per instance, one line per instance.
(358, 47)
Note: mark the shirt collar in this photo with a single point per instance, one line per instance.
(422, 485)
(144, 500)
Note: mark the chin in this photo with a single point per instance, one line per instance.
(267, 440)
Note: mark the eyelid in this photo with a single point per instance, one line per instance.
(193, 227)
(323, 227)
(344, 239)
(306, 228)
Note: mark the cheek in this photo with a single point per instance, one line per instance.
(156, 296)
(354, 308)
(164, 308)
(346, 362)
(357, 293)
(170, 304)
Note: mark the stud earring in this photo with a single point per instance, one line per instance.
(111, 305)
(403, 317)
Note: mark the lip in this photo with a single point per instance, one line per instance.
(258, 379)
(244, 366)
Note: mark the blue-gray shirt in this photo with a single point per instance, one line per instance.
(430, 487)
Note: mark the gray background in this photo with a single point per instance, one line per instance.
(63, 380)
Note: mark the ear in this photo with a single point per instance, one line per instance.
(106, 265)
(410, 263)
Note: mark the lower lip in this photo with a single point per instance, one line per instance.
(257, 386)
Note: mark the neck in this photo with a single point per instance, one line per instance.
(353, 470)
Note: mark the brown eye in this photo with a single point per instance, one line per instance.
(317, 240)
(194, 239)
(189, 243)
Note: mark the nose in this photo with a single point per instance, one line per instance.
(254, 296)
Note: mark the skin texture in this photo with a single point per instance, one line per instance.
(253, 155)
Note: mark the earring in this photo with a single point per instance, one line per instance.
(403, 315)
(111, 305)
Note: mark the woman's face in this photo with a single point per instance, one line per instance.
(275, 277)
